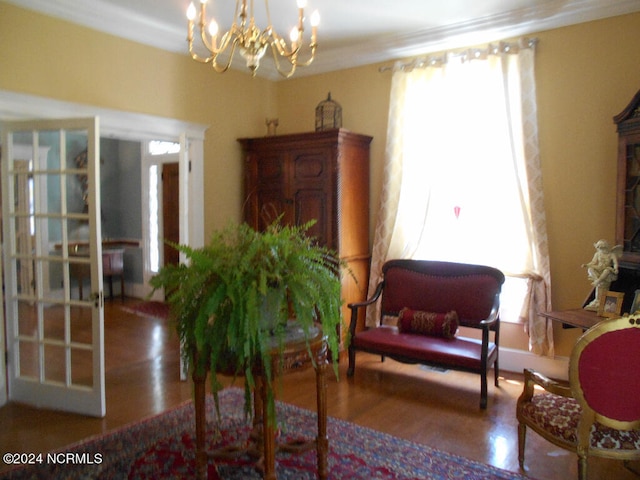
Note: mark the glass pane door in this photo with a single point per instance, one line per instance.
(52, 246)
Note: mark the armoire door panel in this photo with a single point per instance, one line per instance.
(310, 205)
(271, 169)
(272, 205)
(310, 166)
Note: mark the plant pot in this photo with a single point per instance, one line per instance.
(271, 311)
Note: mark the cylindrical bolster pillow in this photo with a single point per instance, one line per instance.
(428, 323)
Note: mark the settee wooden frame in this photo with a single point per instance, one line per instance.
(449, 280)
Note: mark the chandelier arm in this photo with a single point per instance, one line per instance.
(198, 58)
(212, 45)
(266, 6)
(224, 68)
(268, 35)
(309, 61)
(205, 41)
(232, 33)
(292, 56)
(278, 42)
(243, 13)
(285, 74)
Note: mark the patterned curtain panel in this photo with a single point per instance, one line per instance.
(462, 177)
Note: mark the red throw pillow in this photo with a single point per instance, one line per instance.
(428, 323)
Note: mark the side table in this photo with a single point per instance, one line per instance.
(577, 317)
(298, 355)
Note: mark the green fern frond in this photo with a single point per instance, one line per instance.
(219, 297)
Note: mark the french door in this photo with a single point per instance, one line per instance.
(52, 240)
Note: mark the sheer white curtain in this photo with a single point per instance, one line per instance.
(462, 175)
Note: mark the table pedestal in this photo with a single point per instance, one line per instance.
(263, 445)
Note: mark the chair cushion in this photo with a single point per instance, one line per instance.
(457, 352)
(428, 323)
(559, 416)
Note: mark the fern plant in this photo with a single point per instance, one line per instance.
(232, 300)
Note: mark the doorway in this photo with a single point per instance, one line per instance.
(137, 128)
(170, 218)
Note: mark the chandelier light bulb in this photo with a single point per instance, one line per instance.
(315, 18)
(213, 28)
(191, 12)
(302, 3)
(293, 35)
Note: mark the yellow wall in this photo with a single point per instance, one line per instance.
(585, 75)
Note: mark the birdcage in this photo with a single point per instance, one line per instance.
(328, 114)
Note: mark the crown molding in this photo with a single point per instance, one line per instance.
(555, 14)
(112, 19)
(115, 20)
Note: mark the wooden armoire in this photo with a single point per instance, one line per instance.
(322, 176)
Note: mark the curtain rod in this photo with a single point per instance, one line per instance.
(464, 54)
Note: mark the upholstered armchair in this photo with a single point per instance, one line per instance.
(598, 412)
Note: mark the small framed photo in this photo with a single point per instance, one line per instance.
(635, 306)
(610, 304)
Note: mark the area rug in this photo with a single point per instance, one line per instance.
(149, 309)
(162, 447)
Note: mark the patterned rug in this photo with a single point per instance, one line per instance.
(162, 447)
(149, 309)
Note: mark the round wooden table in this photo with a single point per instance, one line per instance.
(298, 354)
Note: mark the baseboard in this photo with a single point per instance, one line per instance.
(138, 290)
(512, 360)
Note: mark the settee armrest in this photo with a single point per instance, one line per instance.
(493, 317)
(356, 305)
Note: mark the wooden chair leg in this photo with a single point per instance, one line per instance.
(582, 468)
(522, 437)
(352, 362)
(483, 390)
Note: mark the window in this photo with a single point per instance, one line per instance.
(159, 153)
(154, 219)
(462, 170)
(159, 147)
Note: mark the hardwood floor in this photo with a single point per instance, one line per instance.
(439, 409)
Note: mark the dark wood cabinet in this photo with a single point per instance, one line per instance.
(627, 203)
(322, 176)
(628, 188)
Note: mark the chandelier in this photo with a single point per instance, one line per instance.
(252, 42)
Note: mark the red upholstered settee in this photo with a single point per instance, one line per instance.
(471, 291)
